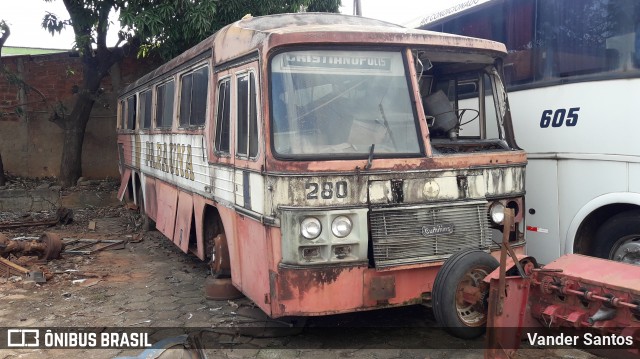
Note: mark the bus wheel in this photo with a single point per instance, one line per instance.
(459, 294)
(618, 238)
(147, 223)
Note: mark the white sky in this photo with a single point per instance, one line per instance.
(25, 18)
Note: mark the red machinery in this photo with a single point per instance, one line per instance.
(583, 301)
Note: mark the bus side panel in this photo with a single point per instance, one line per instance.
(150, 198)
(229, 218)
(167, 200)
(579, 184)
(253, 251)
(199, 203)
(634, 177)
(542, 218)
(183, 221)
(318, 291)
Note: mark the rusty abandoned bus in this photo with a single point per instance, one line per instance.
(321, 162)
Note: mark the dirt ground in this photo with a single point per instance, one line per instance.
(151, 283)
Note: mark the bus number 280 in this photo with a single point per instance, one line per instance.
(559, 117)
(326, 190)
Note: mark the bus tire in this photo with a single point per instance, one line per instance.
(465, 268)
(147, 223)
(618, 238)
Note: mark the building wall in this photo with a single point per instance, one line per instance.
(30, 143)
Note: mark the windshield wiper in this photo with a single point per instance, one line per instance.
(386, 124)
(370, 159)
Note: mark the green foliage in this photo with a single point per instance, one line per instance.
(324, 6)
(170, 27)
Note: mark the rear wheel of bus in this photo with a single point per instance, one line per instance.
(460, 295)
(618, 238)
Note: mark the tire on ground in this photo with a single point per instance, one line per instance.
(458, 318)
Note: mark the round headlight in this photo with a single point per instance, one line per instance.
(310, 228)
(341, 226)
(497, 212)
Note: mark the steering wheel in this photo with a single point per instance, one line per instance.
(459, 113)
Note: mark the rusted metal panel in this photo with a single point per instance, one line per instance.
(124, 181)
(254, 263)
(382, 288)
(199, 203)
(167, 201)
(182, 229)
(596, 271)
(505, 330)
(229, 218)
(150, 199)
(333, 289)
(319, 291)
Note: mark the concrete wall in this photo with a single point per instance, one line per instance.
(30, 144)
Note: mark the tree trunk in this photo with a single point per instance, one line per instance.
(74, 129)
(3, 180)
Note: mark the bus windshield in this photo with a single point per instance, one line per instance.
(328, 103)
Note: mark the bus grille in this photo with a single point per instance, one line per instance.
(427, 233)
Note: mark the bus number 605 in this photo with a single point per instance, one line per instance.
(326, 189)
(558, 118)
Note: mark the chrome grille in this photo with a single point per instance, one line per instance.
(399, 238)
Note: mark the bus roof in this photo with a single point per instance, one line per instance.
(254, 34)
(440, 16)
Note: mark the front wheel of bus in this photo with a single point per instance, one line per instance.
(460, 295)
(618, 238)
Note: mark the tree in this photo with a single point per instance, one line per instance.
(168, 27)
(90, 22)
(4, 35)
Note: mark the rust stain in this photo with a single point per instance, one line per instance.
(303, 280)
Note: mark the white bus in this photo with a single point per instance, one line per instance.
(573, 73)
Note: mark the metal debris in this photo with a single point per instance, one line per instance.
(47, 246)
(90, 246)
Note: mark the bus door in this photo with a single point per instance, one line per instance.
(251, 246)
(248, 179)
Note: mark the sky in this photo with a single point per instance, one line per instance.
(25, 17)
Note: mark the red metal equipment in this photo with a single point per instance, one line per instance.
(576, 300)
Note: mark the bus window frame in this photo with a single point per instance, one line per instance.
(152, 110)
(155, 107)
(180, 76)
(404, 50)
(126, 124)
(226, 77)
(237, 75)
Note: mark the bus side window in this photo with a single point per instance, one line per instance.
(164, 105)
(223, 118)
(145, 109)
(123, 112)
(193, 97)
(247, 126)
(131, 113)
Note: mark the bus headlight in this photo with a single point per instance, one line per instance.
(496, 212)
(341, 226)
(310, 228)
